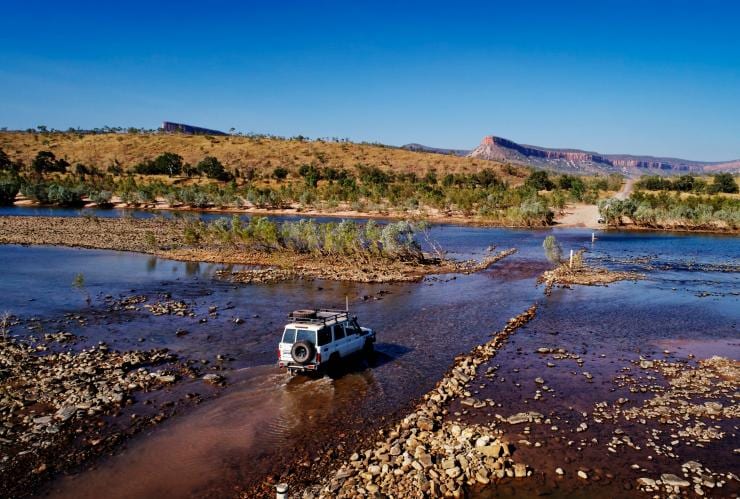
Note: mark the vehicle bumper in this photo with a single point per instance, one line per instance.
(298, 367)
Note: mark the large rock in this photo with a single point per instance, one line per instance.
(673, 480)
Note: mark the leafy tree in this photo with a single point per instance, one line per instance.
(46, 161)
(723, 182)
(684, 183)
(539, 180)
(169, 162)
(372, 175)
(486, 178)
(211, 167)
(311, 174)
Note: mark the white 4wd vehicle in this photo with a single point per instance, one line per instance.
(317, 339)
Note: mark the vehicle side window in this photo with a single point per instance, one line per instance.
(323, 336)
(289, 336)
(338, 331)
(353, 329)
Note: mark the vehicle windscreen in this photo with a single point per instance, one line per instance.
(292, 335)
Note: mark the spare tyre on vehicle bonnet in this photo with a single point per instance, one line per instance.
(304, 314)
(302, 352)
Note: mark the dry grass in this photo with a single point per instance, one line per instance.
(262, 154)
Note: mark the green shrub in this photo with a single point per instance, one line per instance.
(346, 238)
(280, 173)
(553, 250)
(54, 193)
(9, 187)
(102, 198)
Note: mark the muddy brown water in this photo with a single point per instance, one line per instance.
(263, 424)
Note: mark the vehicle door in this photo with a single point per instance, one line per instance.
(324, 344)
(354, 342)
(339, 339)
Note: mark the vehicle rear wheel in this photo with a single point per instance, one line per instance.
(302, 352)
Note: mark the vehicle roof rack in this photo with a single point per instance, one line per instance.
(320, 316)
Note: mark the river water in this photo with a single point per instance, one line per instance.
(261, 424)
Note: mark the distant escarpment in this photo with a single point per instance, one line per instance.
(504, 150)
(575, 160)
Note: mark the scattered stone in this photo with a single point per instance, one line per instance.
(214, 379)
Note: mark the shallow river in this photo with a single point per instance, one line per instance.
(261, 422)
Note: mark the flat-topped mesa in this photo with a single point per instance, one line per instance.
(500, 149)
(492, 147)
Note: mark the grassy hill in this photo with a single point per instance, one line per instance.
(260, 154)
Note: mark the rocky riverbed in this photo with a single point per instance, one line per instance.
(697, 406)
(538, 395)
(369, 271)
(582, 275)
(424, 456)
(54, 401)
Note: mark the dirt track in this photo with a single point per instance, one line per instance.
(587, 215)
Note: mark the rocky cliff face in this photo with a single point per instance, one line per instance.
(500, 149)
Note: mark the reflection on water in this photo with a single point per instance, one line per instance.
(261, 420)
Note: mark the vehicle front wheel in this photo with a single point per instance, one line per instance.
(369, 350)
(332, 366)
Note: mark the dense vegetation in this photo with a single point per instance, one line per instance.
(363, 188)
(721, 183)
(685, 202)
(395, 241)
(664, 210)
(486, 194)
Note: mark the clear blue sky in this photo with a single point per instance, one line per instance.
(641, 77)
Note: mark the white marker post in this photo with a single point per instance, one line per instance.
(571, 259)
(281, 490)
